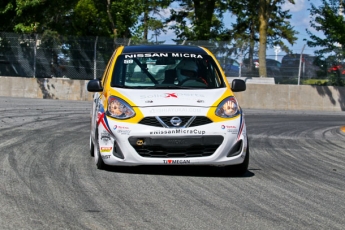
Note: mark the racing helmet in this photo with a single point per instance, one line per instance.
(187, 68)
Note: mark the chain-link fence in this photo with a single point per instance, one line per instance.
(45, 56)
(52, 55)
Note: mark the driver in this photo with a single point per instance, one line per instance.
(186, 69)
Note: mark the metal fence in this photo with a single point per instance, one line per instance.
(42, 56)
(52, 55)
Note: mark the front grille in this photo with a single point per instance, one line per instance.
(166, 120)
(161, 152)
(176, 147)
(196, 121)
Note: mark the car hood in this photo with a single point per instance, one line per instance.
(203, 98)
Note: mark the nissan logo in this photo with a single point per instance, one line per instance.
(176, 121)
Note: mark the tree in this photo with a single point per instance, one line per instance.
(89, 18)
(328, 18)
(7, 15)
(70, 17)
(272, 28)
(153, 7)
(34, 16)
(267, 27)
(105, 17)
(151, 19)
(198, 19)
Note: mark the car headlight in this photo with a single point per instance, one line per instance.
(119, 109)
(228, 108)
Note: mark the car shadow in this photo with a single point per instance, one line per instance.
(175, 170)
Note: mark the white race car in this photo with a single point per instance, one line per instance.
(167, 105)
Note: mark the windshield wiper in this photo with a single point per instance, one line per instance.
(120, 86)
(171, 87)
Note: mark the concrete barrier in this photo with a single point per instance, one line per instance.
(257, 96)
(255, 80)
(47, 88)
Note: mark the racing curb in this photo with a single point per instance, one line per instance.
(342, 128)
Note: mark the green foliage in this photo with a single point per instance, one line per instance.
(7, 15)
(198, 20)
(89, 19)
(335, 80)
(151, 19)
(325, 18)
(268, 9)
(319, 82)
(34, 16)
(261, 19)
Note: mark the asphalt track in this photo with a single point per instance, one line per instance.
(296, 177)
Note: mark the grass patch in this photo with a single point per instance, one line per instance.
(294, 81)
(315, 82)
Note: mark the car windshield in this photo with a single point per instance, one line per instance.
(166, 70)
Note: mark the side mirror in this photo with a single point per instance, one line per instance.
(238, 85)
(94, 86)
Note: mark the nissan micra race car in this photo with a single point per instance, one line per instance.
(167, 105)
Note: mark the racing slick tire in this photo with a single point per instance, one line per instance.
(92, 147)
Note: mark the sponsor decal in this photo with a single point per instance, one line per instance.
(105, 137)
(124, 131)
(232, 131)
(228, 127)
(200, 101)
(141, 55)
(178, 131)
(120, 127)
(176, 162)
(177, 142)
(149, 101)
(167, 95)
(128, 61)
(175, 95)
(105, 156)
(146, 55)
(186, 55)
(106, 149)
(175, 110)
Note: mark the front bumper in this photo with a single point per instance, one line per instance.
(221, 143)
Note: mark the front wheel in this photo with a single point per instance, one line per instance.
(92, 147)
